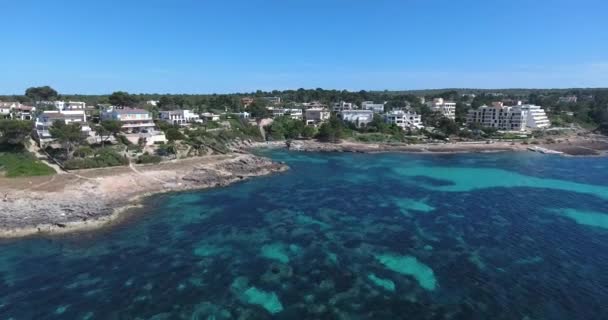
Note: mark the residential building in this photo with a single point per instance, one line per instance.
(341, 106)
(273, 100)
(568, 99)
(243, 115)
(137, 124)
(293, 113)
(208, 116)
(152, 102)
(375, 107)
(247, 101)
(6, 109)
(179, 117)
(75, 105)
(359, 117)
(509, 118)
(16, 110)
(315, 116)
(313, 104)
(24, 112)
(446, 108)
(536, 118)
(404, 119)
(47, 118)
(59, 105)
(132, 120)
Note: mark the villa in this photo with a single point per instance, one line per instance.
(136, 124)
(359, 117)
(375, 107)
(6, 109)
(446, 108)
(179, 117)
(404, 119)
(341, 106)
(295, 113)
(208, 116)
(46, 120)
(315, 116)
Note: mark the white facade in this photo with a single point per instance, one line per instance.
(341, 106)
(293, 113)
(152, 102)
(536, 118)
(404, 119)
(446, 108)
(243, 115)
(132, 120)
(179, 117)
(316, 115)
(6, 108)
(375, 107)
(208, 116)
(359, 117)
(46, 120)
(75, 105)
(509, 118)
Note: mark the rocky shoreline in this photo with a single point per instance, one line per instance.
(573, 147)
(90, 199)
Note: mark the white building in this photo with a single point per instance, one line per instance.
(208, 116)
(568, 99)
(75, 105)
(293, 113)
(536, 118)
(243, 115)
(404, 119)
(509, 118)
(179, 117)
(152, 102)
(341, 106)
(375, 107)
(46, 120)
(315, 116)
(136, 124)
(6, 108)
(446, 108)
(359, 117)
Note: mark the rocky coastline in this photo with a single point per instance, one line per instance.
(91, 199)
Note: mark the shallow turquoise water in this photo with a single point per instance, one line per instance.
(340, 236)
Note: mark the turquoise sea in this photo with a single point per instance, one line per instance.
(340, 236)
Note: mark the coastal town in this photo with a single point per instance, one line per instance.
(69, 151)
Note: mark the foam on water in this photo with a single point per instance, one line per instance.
(410, 266)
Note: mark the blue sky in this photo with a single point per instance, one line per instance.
(198, 46)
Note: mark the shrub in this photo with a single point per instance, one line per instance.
(103, 158)
(146, 158)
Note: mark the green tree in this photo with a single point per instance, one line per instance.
(69, 135)
(258, 109)
(15, 132)
(122, 99)
(331, 131)
(108, 128)
(44, 93)
(173, 134)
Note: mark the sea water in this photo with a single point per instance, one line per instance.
(340, 236)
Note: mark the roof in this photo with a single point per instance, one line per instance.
(131, 111)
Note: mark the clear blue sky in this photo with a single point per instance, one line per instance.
(205, 46)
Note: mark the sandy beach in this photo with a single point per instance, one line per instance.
(90, 199)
